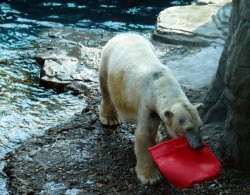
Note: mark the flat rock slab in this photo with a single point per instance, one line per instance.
(200, 24)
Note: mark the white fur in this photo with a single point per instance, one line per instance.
(137, 87)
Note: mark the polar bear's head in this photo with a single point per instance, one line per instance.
(183, 119)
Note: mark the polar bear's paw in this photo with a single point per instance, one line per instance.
(109, 122)
(108, 115)
(150, 176)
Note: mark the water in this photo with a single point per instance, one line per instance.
(26, 108)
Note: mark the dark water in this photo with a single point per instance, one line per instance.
(124, 14)
(26, 108)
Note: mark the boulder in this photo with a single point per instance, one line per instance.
(70, 60)
(63, 73)
(202, 24)
(57, 70)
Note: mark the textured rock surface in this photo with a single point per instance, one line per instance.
(200, 24)
(218, 2)
(57, 70)
(71, 59)
(227, 100)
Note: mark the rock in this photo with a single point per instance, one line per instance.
(63, 73)
(56, 70)
(220, 2)
(32, 153)
(78, 87)
(30, 192)
(199, 24)
(99, 185)
(246, 189)
(70, 59)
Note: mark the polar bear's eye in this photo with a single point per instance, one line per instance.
(189, 129)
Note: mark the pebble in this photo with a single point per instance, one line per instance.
(246, 189)
(99, 185)
(235, 181)
(32, 153)
(39, 136)
(85, 170)
(98, 138)
(131, 170)
(30, 192)
(130, 186)
(52, 36)
(45, 149)
(23, 187)
(105, 180)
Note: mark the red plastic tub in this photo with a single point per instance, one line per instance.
(182, 166)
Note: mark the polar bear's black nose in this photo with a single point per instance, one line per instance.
(194, 139)
(198, 146)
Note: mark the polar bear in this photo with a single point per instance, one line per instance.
(137, 87)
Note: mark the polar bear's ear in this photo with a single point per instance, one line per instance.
(198, 106)
(168, 114)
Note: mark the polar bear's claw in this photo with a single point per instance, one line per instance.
(109, 122)
(150, 177)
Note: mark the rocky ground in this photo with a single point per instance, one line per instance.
(80, 156)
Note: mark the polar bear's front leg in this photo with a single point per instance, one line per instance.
(145, 137)
(107, 112)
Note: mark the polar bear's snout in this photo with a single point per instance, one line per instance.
(184, 120)
(194, 139)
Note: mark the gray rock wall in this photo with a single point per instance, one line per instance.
(227, 100)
